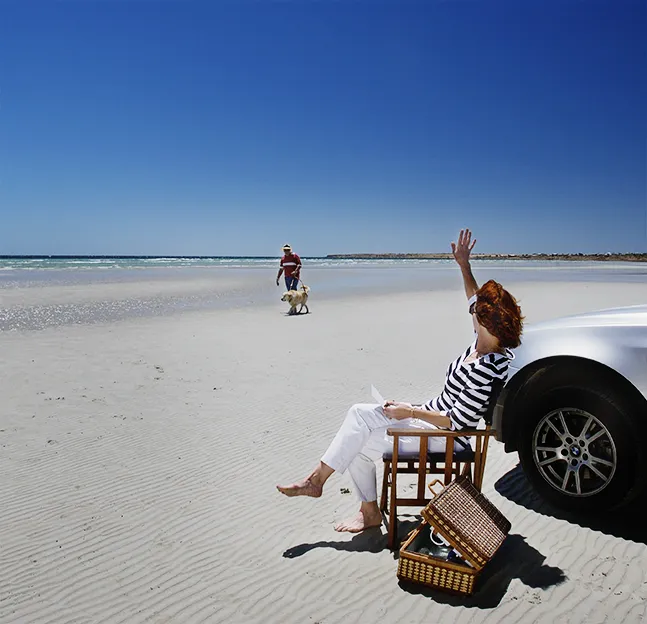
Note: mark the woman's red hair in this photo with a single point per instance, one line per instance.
(498, 311)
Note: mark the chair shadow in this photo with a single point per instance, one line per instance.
(515, 559)
(371, 540)
(627, 523)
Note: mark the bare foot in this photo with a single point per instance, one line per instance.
(360, 522)
(302, 488)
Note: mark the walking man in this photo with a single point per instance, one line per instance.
(291, 264)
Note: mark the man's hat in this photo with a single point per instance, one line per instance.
(287, 247)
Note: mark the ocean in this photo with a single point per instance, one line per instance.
(48, 268)
(41, 292)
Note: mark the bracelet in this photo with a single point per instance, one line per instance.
(413, 413)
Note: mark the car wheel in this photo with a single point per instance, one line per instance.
(578, 446)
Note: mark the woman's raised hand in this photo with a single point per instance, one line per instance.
(463, 248)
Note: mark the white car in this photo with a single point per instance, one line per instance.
(575, 405)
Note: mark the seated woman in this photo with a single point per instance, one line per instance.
(362, 438)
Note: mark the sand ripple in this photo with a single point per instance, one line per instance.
(139, 465)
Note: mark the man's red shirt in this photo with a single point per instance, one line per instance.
(289, 264)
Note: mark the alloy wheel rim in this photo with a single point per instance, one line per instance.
(574, 452)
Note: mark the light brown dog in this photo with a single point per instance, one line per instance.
(297, 298)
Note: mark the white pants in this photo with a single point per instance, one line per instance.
(361, 441)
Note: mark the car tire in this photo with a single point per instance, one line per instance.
(578, 444)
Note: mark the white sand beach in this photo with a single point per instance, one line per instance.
(139, 460)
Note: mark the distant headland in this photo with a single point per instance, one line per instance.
(617, 257)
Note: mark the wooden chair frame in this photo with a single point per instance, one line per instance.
(428, 463)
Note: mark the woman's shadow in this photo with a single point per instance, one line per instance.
(514, 559)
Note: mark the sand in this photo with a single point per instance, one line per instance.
(139, 460)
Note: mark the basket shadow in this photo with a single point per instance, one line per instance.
(627, 523)
(514, 559)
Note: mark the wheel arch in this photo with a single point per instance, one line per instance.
(508, 414)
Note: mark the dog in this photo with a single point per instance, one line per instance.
(297, 298)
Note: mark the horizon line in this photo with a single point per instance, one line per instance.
(387, 255)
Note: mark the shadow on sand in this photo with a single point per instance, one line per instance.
(515, 559)
(627, 523)
(371, 540)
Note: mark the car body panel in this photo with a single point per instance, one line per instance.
(615, 338)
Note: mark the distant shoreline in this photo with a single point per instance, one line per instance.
(618, 257)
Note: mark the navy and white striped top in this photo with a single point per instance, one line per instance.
(468, 386)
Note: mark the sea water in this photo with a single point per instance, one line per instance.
(39, 292)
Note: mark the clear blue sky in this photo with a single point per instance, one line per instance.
(229, 128)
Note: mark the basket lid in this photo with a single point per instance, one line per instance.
(468, 521)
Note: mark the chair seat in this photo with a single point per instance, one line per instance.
(464, 455)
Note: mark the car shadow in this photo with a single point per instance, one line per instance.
(627, 522)
(514, 559)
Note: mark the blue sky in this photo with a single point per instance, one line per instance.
(229, 128)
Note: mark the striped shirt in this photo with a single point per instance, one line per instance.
(468, 386)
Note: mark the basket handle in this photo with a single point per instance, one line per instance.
(434, 483)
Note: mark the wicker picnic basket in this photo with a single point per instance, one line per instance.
(471, 525)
